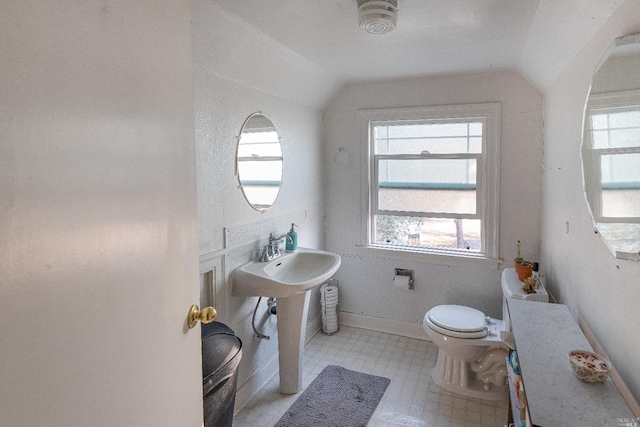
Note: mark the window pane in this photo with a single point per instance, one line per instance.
(264, 149)
(599, 121)
(439, 233)
(267, 173)
(441, 138)
(620, 185)
(620, 170)
(427, 185)
(616, 130)
(265, 137)
(261, 197)
(621, 203)
(626, 119)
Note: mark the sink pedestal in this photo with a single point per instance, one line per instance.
(292, 320)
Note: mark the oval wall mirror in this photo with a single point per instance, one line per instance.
(259, 161)
(611, 148)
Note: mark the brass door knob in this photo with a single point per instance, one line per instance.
(206, 315)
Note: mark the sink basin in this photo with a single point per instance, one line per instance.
(290, 274)
(288, 278)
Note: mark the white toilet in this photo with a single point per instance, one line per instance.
(471, 353)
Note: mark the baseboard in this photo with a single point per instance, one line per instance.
(395, 327)
(254, 384)
(313, 327)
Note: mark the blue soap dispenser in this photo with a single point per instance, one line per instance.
(292, 242)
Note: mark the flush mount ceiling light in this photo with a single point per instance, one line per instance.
(378, 16)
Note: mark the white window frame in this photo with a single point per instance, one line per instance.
(487, 187)
(598, 104)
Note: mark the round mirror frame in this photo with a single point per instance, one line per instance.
(611, 148)
(259, 161)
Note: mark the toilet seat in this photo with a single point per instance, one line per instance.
(457, 321)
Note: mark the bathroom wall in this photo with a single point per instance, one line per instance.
(238, 71)
(366, 274)
(601, 291)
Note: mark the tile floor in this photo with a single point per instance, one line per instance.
(410, 400)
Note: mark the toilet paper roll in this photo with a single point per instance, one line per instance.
(401, 282)
(329, 294)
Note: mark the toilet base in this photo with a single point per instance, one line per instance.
(484, 379)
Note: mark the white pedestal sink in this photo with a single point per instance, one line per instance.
(289, 278)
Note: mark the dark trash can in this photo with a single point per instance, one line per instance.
(221, 354)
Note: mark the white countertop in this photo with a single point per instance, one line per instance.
(544, 334)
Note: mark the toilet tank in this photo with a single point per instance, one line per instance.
(512, 288)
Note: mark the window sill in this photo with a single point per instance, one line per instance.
(428, 256)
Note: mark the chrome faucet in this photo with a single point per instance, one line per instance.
(274, 244)
(272, 250)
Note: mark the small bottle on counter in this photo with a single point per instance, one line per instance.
(292, 241)
(536, 275)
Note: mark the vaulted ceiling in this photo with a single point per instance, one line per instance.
(431, 37)
(537, 37)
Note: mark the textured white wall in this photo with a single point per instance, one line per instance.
(224, 97)
(602, 291)
(366, 276)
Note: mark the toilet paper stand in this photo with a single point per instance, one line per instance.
(406, 272)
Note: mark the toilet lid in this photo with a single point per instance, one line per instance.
(458, 318)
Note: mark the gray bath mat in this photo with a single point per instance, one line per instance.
(338, 397)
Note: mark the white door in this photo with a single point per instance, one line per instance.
(98, 227)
